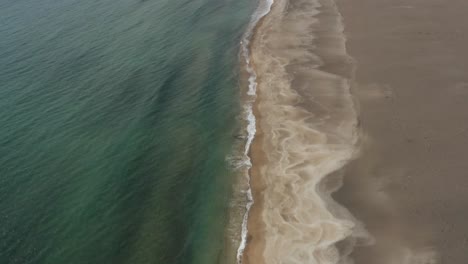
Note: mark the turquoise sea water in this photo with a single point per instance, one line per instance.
(116, 118)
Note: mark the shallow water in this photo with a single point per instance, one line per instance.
(116, 120)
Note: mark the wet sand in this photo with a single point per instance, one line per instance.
(306, 130)
(410, 184)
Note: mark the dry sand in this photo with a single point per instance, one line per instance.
(410, 184)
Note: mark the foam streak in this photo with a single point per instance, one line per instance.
(263, 9)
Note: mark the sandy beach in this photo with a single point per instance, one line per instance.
(306, 130)
(375, 116)
(409, 185)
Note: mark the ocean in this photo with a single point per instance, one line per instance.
(117, 121)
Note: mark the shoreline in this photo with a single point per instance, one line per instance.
(251, 115)
(255, 241)
(254, 247)
(259, 234)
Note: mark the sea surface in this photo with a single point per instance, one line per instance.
(116, 121)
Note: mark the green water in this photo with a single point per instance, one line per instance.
(116, 118)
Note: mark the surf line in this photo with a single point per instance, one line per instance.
(262, 10)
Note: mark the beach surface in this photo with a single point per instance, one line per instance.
(409, 186)
(374, 117)
(306, 130)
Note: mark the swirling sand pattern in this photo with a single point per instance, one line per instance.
(308, 121)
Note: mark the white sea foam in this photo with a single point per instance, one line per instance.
(262, 10)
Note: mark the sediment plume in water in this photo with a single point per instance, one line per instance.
(308, 123)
